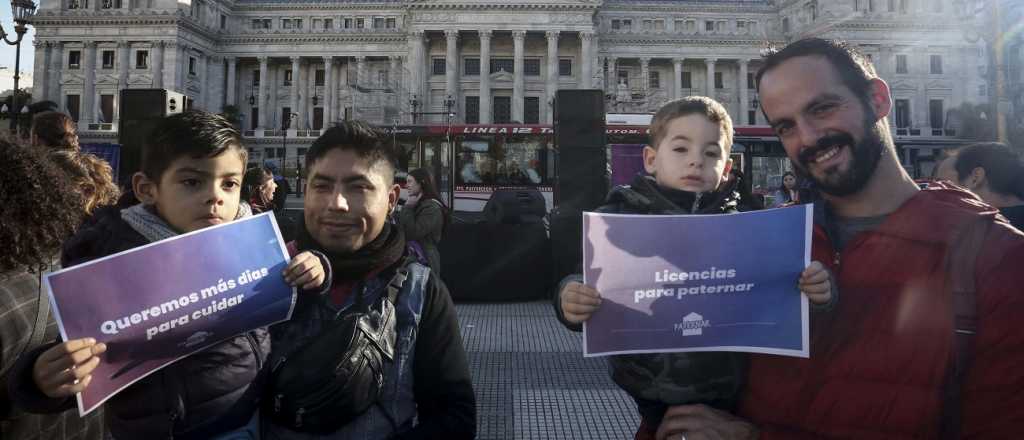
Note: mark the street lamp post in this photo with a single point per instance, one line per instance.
(285, 125)
(22, 11)
(414, 103)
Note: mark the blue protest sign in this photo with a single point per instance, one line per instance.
(697, 283)
(158, 303)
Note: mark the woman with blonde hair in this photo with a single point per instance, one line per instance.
(93, 177)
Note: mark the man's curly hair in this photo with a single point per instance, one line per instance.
(39, 207)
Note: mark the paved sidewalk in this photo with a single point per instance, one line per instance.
(532, 381)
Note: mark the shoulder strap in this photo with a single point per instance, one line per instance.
(38, 328)
(398, 280)
(960, 263)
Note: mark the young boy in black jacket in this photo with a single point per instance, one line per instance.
(687, 168)
(192, 167)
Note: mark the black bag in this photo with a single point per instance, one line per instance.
(337, 376)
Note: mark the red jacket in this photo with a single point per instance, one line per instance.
(878, 359)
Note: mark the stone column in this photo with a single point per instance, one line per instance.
(262, 98)
(415, 40)
(232, 73)
(451, 70)
(613, 73)
(158, 64)
(710, 81)
(294, 95)
(587, 62)
(328, 90)
(310, 90)
(181, 66)
(41, 71)
(678, 80)
(742, 117)
(123, 52)
(89, 94)
(361, 71)
(485, 76)
(518, 37)
(552, 82)
(206, 83)
(57, 66)
(645, 79)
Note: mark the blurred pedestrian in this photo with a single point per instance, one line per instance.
(258, 187)
(283, 187)
(424, 217)
(789, 193)
(54, 130)
(992, 171)
(39, 209)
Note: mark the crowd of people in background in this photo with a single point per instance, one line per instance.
(914, 290)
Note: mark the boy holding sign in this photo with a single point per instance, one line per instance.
(190, 179)
(688, 167)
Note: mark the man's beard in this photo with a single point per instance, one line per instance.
(864, 160)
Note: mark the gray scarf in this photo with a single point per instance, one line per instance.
(146, 222)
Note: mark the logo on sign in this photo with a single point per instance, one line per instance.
(693, 325)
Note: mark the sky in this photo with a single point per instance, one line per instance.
(7, 51)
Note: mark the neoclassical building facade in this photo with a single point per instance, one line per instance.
(483, 61)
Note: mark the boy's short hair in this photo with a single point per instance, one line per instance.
(193, 133)
(690, 105)
(362, 138)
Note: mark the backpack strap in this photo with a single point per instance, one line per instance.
(961, 257)
(398, 280)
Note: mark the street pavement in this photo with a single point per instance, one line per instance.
(532, 381)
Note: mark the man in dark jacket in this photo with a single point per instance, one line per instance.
(39, 209)
(992, 171)
(427, 391)
(882, 362)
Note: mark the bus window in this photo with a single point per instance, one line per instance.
(525, 161)
(474, 163)
(767, 173)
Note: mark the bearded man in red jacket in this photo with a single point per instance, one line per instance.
(882, 361)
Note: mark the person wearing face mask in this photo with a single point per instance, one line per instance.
(424, 217)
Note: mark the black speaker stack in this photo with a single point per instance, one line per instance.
(141, 109)
(582, 170)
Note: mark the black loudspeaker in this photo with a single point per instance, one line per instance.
(514, 206)
(582, 165)
(141, 109)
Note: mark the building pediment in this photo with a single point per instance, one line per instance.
(939, 85)
(72, 78)
(502, 75)
(107, 79)
(140, 79)
(903, 85)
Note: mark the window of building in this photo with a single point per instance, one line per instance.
(680, 25)
(785, 25)
(531, 67)
(255, 78)
(471, 66)
(623, 77)
(391, 23)
(106, 109)
(812, 10)
(291, 23)
(750, 80)
(360, 23)
(616, 24)
(382, 78)
(347, 23)
(287, 77)
(719, 83)
(687, 80)
(472, 109)
(721, 26)
(191, 65)
(502, 64)
(111, 4)
(902, 113)
(751, 117)
(73, 105)
(936, 115)
(531, 110)
(223, 21)
(659, 25)
(378, 22)
(741, 27)
(936, 64)
(328, 24)
(654, 79)
(262, 23)
(565, 67)
(691, 26)
(318, 118)
(901, 64)
(74, 59)
(648, 25)
(709, 26)
(320, 78)
(142, 59)
(108, 59)
(439, 66)
(502, 109)
(627, 25)
(78, 4)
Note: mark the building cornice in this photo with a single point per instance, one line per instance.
(688, 7)
(268, 7)
(313, 38)
(433, 5)
(702, 42)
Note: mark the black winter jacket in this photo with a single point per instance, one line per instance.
(197, 397)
